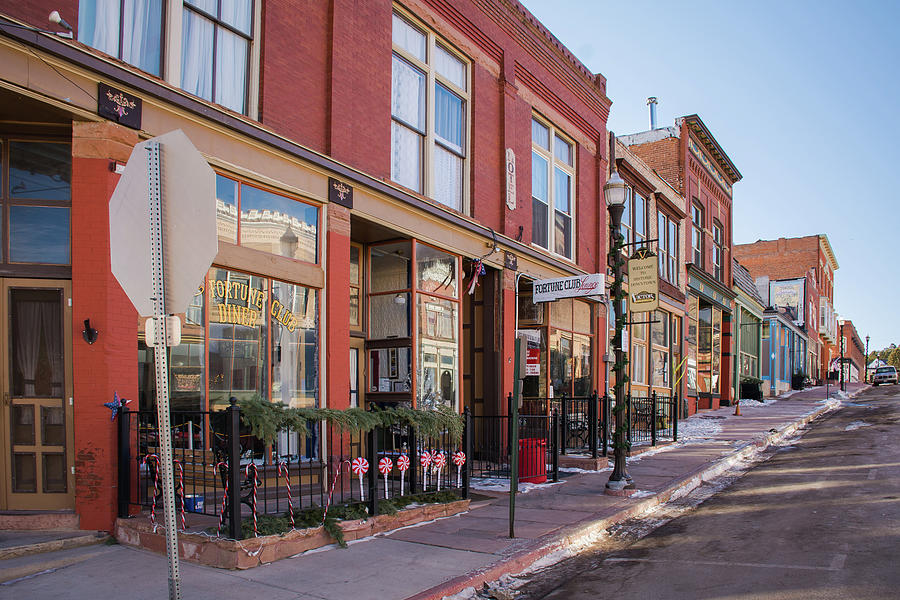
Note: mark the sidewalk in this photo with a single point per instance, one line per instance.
(435, 559)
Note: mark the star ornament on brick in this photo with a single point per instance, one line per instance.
(115, 405)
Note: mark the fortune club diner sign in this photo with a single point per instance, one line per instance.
(580, 286)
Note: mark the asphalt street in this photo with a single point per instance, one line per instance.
(820, 518)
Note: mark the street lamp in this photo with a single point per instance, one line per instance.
(866, 372)
(843, 389)
(617, 193)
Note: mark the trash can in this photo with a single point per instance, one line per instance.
(533, 460)
(193, 503)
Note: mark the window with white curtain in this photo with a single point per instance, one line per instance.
(215, 50)
(429, 107)
(552, 189)
(130, 30)
(214, 42)
(667, 247)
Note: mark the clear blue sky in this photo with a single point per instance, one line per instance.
(802, 95)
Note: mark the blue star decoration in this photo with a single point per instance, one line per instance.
(115, 405)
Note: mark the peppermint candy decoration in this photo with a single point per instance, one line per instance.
(360, 466)
(402, 465)
(459, 459)
(425, 461)
(384, 466)
(440, 460)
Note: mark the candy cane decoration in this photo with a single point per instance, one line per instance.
(254, 482)
(425, 461)
(180, 471)
(384, 467)
(331, 491)
(218, 472)
(402, 466)
(459, 459)
(283, 471)
(360, 466)
(440, 461)
(146, 461)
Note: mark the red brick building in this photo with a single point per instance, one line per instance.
(378, 151)
(804, 268)
(854, 351)
(690, 159)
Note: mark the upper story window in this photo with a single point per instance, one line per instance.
(717, 250)
(552, 188)
(667, 252)
(209, 47)
(266, 221)
(429, 107)
(634, 218)
(215, 50)
(130, 30)
(697, 234)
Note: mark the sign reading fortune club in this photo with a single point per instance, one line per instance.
(580, 286)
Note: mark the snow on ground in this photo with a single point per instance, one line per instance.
(698, 429)
(856, 425)
(750, 403)
(496, 484)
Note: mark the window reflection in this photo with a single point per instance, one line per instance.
(40, 171)
(279, 225)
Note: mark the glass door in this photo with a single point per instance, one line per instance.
(36, 434)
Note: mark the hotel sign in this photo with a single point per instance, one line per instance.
(581, 286)
(643, 283)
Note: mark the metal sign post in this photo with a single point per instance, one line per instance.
(162, 234)
(518, 375)
(160, 356)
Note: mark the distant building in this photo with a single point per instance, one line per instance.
(854, 361)
(800, 274)
(784, 347)
(748, 311)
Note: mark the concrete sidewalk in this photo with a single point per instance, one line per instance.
(432, 560)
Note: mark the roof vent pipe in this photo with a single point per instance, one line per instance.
(651, 101)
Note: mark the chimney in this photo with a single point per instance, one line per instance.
(652, 102)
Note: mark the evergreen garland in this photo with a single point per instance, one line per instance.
(266, 419)
(619, 366)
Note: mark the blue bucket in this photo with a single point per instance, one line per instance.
(193, 503)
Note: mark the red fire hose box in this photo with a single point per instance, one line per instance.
(533, 460)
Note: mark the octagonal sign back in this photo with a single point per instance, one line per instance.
(190, 242)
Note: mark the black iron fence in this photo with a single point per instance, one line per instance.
(582, 421)
(539, 447)
(651, 419)
(322, 465)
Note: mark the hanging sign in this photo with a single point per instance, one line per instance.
(510, 179)
(580, 286)
(643, 282)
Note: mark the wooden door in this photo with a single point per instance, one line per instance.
(36, 429)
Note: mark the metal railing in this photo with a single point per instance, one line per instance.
(651, 419)
(539, 446)
(576, 414)
(300, 470)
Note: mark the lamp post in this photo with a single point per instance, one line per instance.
(843, 389)
(616, 193)
(866, 372)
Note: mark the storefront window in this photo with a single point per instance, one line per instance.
(186, 363)
(237, 336)
(355, 285)
(438, 352)
(705, 350)
(716, 349)
(266, 221)
(659, 355)
(693, 340)
(295, 349)
(435, 271)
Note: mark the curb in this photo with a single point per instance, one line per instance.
(52, 546)
(582, 532)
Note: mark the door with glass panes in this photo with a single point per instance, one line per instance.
(36, 434)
